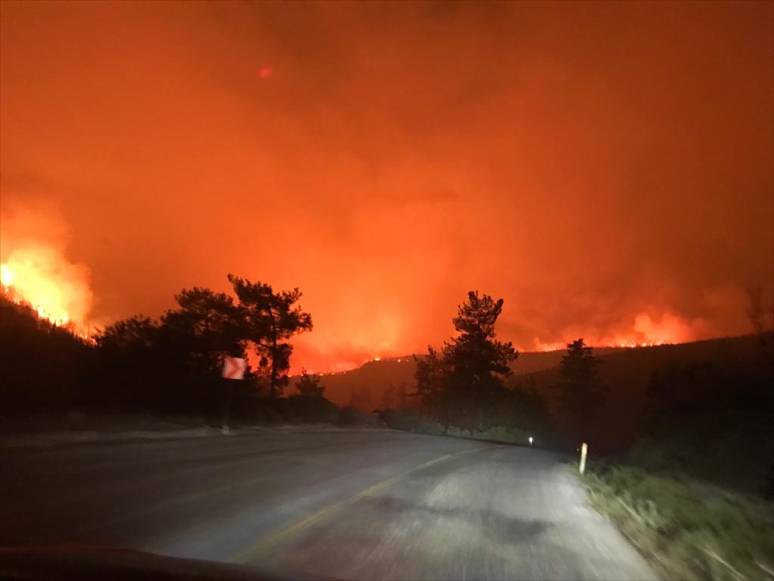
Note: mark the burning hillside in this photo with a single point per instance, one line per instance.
(36, 271)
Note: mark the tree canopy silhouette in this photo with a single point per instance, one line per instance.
(580, 391)
(175, 362)
(208, 325)
(269, 319)
(477, 361)
(470, 368)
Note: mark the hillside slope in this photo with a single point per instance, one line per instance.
(627, 372)
(368, 382)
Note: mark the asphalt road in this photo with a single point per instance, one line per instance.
(342, 504)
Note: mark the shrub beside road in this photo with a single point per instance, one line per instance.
(686, 528)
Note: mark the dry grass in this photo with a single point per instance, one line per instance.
(687, 529)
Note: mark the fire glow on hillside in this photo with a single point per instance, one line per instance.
(420, 152)
(37, 273)
(645, 331)
(41, 277)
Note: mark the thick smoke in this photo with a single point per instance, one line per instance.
(606, 168)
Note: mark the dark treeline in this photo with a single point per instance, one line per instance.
(171, 364)
(463, 387)
(713, 419)
(175, 362)
(467, 387)
(43, 367)
(700, 417)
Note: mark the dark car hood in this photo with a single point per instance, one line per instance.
(100, 563)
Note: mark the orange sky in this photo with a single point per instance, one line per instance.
(606, 168)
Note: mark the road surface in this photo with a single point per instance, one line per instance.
(368, 504)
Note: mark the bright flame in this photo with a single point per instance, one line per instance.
(56, 289)
(6, 276)
(645, 331)
(549, 346)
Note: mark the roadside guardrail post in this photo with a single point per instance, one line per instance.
(584, 450)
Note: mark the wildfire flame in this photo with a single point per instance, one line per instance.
(6, 276)
(646, 331)
(56, 289)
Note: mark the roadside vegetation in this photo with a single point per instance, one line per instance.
(467, 389)
(687, 528)
(411, 421)
(167, 367)
(695, 492)
(461, 389)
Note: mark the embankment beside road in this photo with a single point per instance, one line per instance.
(688, 529)
(412, 422)
(42, 430)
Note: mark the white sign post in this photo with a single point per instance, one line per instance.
(234, 369)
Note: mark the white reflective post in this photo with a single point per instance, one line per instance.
(584, 451)
(233, 369)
